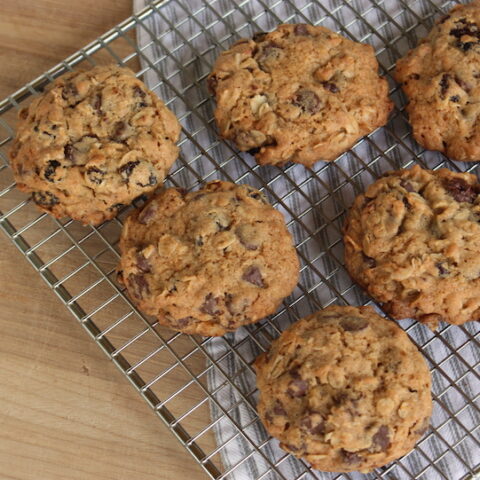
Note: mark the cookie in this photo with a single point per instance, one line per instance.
(344, 389)
(441, 78)
(412, 241)
(300, 93)
(94, 141)
(209, 261)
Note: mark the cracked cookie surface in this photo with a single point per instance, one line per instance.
(441, 78)
(300, 93)
(345, 389)
(209, 261)
(412, 240)
(94, 141)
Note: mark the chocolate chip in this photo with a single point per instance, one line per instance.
(118, 130)
(469, 29)
(210, 305)
(49, 171)
(463, 85)
(96, 175)
(443, 271)
(69, 90)
(455, 98)
(461, 191)
(382, 439)
(407, 186)
(68, 152)
(297, 388)
(269, 52)
(252, 275)
(444, 84)
(353, 324)
(301, 30)
(126, 170)
(139, 284)
(142, 263)
(331, 87)
(259, 36)
(256, 195)
(45, 199)
(199, 242)
(139, 92)
(308, 101)
(183, 322)
(147, 214)
(350, 458)
(369, 261)
(278, 408)
(313, 428)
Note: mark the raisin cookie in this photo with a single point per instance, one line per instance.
(412, 240)
(344, 389)
(441, 78)
(300, 93)
(209, 261)
(95, 140)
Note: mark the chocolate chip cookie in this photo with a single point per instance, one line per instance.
(300, 93)
(209, 261)
(412, 240)
(345, 390)
(441, 78)
(94, 141)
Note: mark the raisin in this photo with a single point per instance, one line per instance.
(118, 130)
(96, 175)
(308, 101)
(331, 87)
(443, 271)
(444, 84)
(49, 171)
(455, 98)
(68, 152)
(253, 276)
(45, 199)
(152, 180)
(126, 170)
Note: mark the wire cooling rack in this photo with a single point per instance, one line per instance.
(171, 371)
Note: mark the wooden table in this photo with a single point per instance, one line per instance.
(65, 411)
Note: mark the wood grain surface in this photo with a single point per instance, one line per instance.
(65, 410)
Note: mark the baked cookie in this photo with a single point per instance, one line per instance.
(95, 140)
(300, 93)
(345, 390)
(209, 261)
(441, 78)
(412, 240)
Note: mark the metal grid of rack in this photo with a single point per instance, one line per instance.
(171, 370)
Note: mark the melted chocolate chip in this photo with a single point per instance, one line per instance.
(95, 175)
(331, 87)
(68, 152)
(353, 324)
(301, 30)
(382, 439)
(69, 90)
(308, 101)
(50, 169)
(142, 263)
(45, 199)
(443, 271)
(126, 170)
(139, 285)
(297, 388)
(350, 458)
(252, 275)
(210, 305)
(444, 84)
(461, 191)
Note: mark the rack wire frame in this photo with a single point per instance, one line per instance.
(78, 264)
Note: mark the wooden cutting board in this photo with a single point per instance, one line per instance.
(65, 410)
